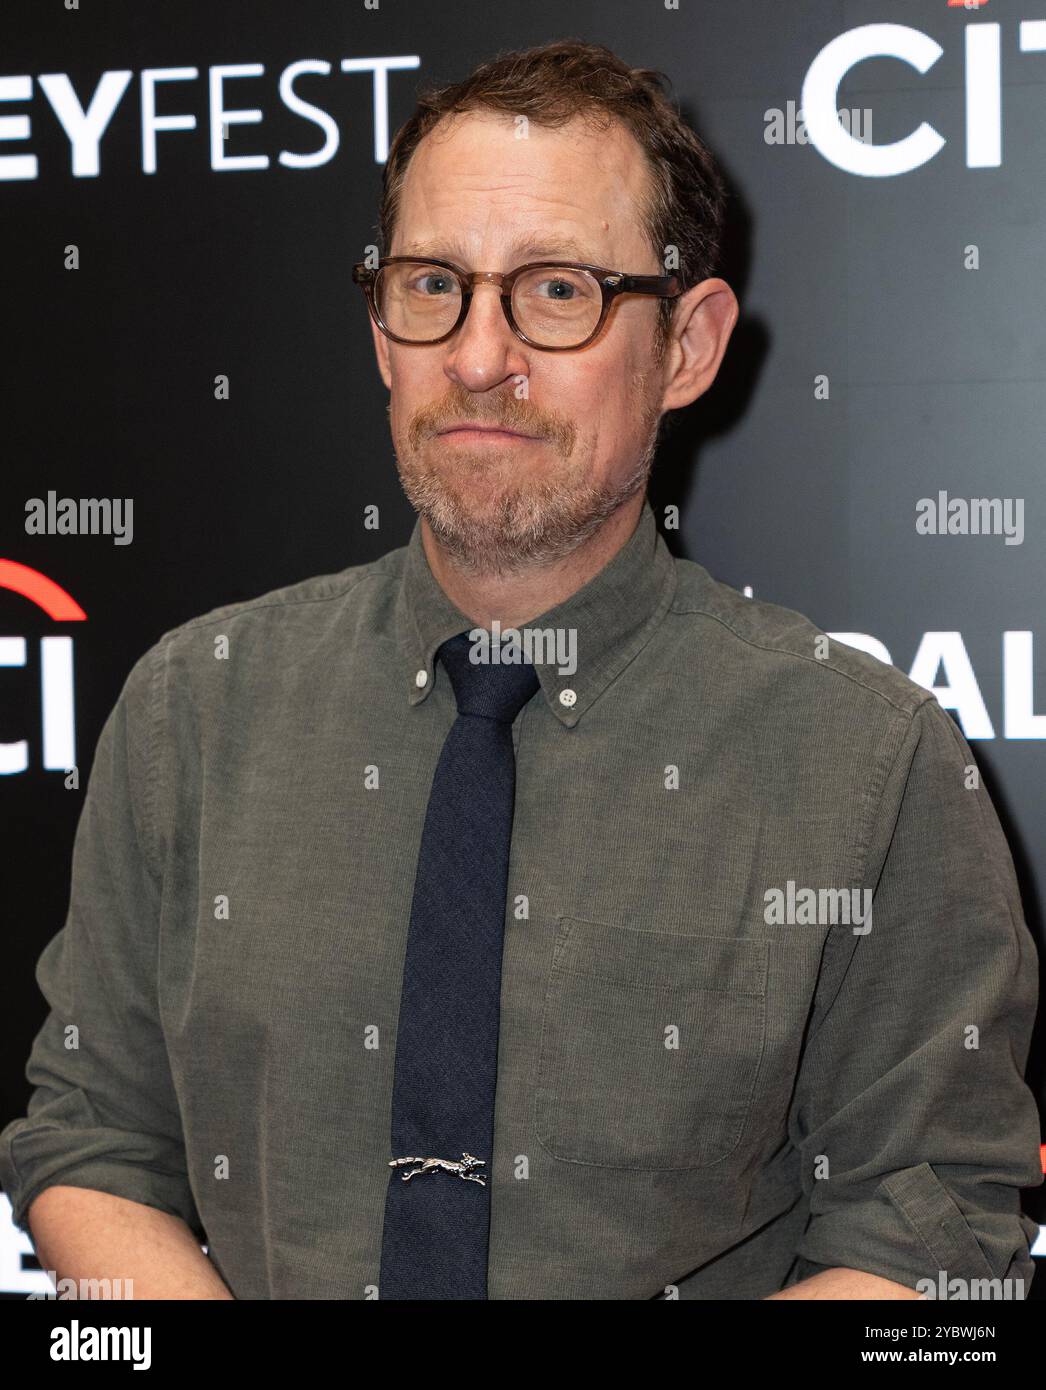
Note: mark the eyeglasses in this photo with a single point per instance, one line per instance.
(553, 305)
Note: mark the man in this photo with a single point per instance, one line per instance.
(405, 967)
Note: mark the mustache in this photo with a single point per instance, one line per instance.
(507, 414)
(433, 421)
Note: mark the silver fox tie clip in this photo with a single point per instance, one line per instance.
(449, 1165)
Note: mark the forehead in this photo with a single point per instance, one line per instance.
(483, 184)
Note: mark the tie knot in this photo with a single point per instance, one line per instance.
(493, 690)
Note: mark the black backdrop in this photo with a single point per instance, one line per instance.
(892, 346)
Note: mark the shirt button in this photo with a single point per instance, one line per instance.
(420, 679)
(568, 698)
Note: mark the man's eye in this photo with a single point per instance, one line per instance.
(560, 289)
(433, 284)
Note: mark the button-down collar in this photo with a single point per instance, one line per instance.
(615, 614)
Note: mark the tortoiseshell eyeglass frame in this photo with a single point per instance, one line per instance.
(611, 283)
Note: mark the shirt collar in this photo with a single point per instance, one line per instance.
(613, 616)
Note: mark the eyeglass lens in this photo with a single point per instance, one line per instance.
(553, 307)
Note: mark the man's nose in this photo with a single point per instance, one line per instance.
(484, 350)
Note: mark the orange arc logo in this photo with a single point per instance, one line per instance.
(44, 592)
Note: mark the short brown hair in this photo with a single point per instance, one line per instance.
(551, 84)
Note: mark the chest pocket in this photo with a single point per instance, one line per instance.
(651, 1046)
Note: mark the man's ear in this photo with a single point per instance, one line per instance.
(702, 323)
(381, 352)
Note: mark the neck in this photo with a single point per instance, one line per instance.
(514, 599)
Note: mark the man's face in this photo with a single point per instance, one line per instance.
(479, 197)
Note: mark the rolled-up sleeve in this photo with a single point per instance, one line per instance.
(911, 1114)
(103, 1113)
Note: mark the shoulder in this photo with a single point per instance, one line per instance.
(297, 605)
(273, 632)
(782, 652)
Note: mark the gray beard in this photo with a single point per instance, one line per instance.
(530, 527)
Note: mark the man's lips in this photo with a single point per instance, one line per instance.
(495, 431)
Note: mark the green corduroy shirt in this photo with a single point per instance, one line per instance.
(705, 1088)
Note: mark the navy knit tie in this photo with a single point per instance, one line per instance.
(437, 1219)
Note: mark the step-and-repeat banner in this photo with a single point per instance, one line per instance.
(183, 190)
